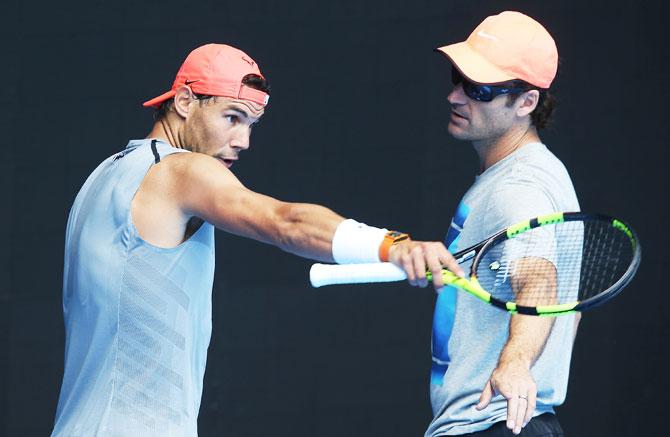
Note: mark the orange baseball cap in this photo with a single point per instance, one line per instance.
(216, 70)
(505, 47)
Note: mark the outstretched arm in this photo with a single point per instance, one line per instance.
(200, 186)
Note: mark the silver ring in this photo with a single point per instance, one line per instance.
(525, 397)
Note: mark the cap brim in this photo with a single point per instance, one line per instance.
(473, 65)
(156, 101)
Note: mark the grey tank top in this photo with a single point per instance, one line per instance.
(137, 317)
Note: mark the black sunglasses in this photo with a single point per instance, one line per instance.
(486, 93)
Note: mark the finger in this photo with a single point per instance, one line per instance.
(449, 262)
(408, 266)
(485, 397)
(435, 266)
(419, 262)
(399, 254)
(445, 267)
(512, 408)
(530, 409)
(520, 414)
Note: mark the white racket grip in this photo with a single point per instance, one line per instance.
(330, 274)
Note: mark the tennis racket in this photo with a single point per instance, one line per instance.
(549, 265)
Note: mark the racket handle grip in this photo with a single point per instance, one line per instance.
(330, 274)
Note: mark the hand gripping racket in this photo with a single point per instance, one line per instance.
(549, 265)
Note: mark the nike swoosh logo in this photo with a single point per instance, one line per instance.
(487, 35)
(188, 82)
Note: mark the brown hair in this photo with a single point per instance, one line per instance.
(541, 115)
(251, 80)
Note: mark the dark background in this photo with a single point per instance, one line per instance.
(357, 121)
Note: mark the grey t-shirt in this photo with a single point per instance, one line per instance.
(468, 335)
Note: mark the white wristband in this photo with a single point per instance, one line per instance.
(356, 243)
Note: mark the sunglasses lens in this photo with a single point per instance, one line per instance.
(481, 93)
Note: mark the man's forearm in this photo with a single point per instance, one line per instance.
(534, 283)
(527, 337)
(307, 230)
(316, 232)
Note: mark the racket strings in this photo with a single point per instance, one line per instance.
(555, 264)
(607, 254)
(591, 275)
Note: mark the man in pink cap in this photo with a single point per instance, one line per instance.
(139, 253)
(494, 374)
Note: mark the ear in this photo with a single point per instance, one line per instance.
(527, 102)
(183, 100)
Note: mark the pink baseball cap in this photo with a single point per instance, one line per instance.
(216, 70)
(505, 47)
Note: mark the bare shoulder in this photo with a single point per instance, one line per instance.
(187, 164)
(195, 184)
(174, 192)
(184, 172)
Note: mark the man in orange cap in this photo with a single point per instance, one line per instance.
(139, 254)
(494, 374)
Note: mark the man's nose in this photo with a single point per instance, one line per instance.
(241, 140)
(457, 95)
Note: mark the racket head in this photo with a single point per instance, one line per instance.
(557, 264)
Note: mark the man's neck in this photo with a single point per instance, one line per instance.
(164, 130)
(492, 151)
